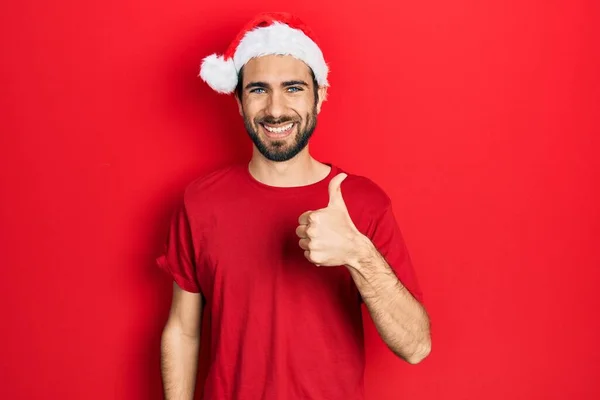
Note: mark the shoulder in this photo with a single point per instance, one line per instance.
(362, 191)
(213, 186)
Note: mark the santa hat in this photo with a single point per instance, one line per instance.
(267, 33)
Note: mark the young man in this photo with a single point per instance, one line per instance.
(283, 249)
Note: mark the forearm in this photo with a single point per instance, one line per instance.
(400, 319)
(179, 363)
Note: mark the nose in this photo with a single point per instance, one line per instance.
(276, 104)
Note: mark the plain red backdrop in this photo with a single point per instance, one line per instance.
(480, 119)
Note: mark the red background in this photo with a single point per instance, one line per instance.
(479, 119)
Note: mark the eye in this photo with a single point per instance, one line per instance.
(294, 89)
(256, 90)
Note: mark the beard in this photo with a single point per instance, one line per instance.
(277, 150)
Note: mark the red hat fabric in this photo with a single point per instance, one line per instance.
(265, 34)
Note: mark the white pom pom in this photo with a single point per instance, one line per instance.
(219, 74)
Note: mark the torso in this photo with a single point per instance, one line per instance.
(281, 328)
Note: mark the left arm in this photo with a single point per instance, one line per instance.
(329, 238)
(400, 319)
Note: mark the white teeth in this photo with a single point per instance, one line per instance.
(279, 130)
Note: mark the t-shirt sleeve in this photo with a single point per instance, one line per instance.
(177, 256)
(388, 239)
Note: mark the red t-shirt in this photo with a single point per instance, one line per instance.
(281, 327)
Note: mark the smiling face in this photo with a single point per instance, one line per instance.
(279, 102)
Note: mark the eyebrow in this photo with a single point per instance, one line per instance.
(257, 84)
(294, 83)
(265, 85)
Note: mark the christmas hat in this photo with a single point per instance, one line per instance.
(267, 33)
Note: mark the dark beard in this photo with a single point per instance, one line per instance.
(275, 151)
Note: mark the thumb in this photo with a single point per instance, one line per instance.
(335, 190)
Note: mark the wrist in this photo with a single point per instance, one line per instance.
(362, 251)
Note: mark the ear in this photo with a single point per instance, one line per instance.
(239, 103)
(322, 91)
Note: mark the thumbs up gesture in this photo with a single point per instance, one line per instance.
(328, 236)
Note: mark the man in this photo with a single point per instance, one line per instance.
(283, 249)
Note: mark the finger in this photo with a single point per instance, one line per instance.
(308, 257)
(304, 218)
(335, 190)
(309, 217)
(304, 243)
(301, 231)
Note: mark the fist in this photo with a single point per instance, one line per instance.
(328, 236)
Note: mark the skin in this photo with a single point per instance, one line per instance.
(275, 100)
(278, 90)
(180, 345)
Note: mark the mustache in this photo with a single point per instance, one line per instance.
(276, 121)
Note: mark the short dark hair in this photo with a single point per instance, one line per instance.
(239, 89)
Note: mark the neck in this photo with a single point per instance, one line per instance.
(301, 170)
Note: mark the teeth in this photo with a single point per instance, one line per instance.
(279, 130)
